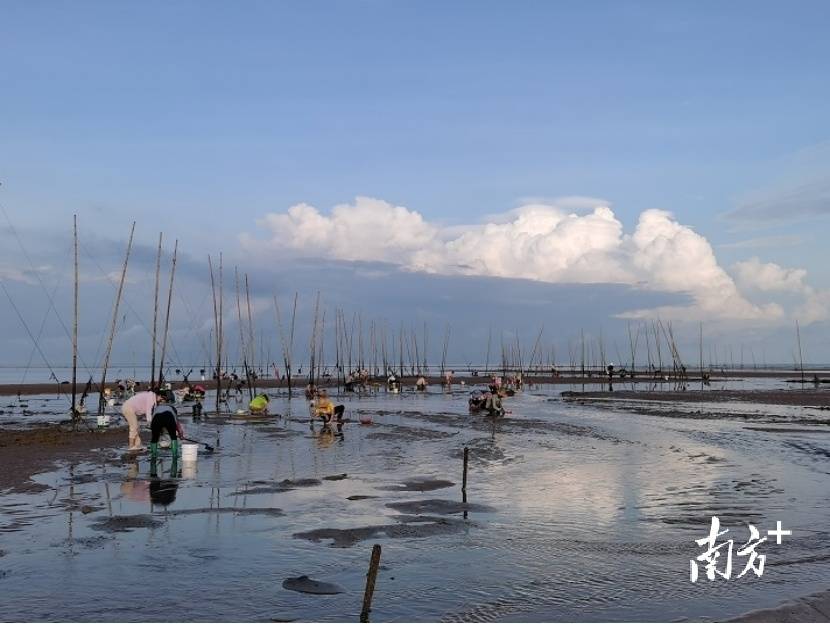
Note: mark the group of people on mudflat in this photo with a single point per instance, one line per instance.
(157, 406)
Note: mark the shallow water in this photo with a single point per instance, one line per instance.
(575, 513)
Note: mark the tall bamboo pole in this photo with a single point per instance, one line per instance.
(251, 341)
(155, 315)
(101, 402)
(75, 415)
(167, 314)
(800, 353)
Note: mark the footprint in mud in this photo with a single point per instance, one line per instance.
(271, 487)
(90, 543)
(337, 477)
(407, 527)
(237, 511)
(125, 524)
(437, 506)
(484, 451)
(408, 434)
(306, 585)
(418, 484)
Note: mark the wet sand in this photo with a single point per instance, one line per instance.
(803, 398)
(575, 513)
(812, 608)
(25, 453)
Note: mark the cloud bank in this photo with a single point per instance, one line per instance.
(547, 241)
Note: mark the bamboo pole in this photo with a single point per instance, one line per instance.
(155, 315)
(217, 318)
(167, 316)
(101, 402)
(800, 353)
(75, 414)
(251, 342)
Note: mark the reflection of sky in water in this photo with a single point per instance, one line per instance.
(594, 513)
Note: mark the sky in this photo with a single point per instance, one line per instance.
(557, 163)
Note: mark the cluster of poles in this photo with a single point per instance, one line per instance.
(372, 346)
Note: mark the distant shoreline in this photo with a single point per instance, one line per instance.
(298, 383)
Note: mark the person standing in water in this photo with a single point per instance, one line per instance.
(140, 404)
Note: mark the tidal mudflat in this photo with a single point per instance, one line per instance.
(575, 510)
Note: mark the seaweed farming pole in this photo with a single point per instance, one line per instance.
(700, 347)
(446, 346)
(800, 353)
(155, 315)
(321, 361)
(416, 369)
(337, 369)
(217, 320)
(582, 338)
(75, 415)
(383, 353)
(251, 341)
(291, 342)
(101, 401)
(657, 344)
(426, 343)
(487, 357)
(535, 347)
(167, 316)
(286, 351)
(400, 350)
(313, 344)
(242, 350)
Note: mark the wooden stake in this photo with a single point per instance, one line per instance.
(464, 476)
(371, 577)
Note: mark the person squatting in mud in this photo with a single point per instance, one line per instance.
(327, 411)
(164, 418)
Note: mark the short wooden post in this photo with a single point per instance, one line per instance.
(371, 576)
(464, 478)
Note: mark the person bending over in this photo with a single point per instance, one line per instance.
(164, 418)
(140, 404)
(259, 404)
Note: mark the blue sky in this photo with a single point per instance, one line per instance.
(201, 117)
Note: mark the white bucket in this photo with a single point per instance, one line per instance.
(103, 420)
(190, 452)
(188, 470)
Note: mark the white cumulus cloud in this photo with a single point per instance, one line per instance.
(545, 240)
(769, 277)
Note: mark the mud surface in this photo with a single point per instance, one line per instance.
(807, 397)
(576, 510)
(24, 453)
